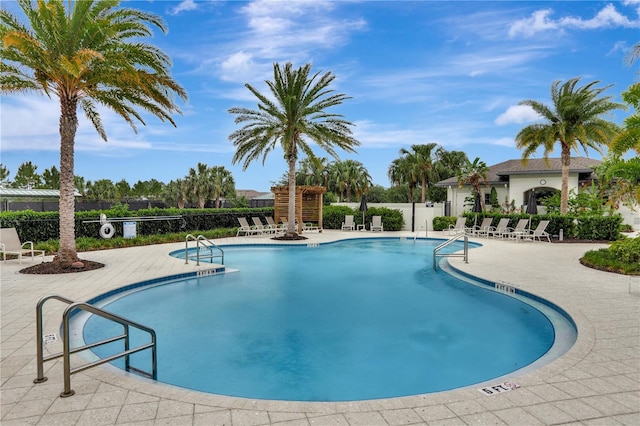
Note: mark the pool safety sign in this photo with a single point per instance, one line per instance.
(50, 339)
(499, 388)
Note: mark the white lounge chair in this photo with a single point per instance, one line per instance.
(245, 228)
(483, 228)
(517, 232)
(310, 226)
(10, 244)
(257, 224)
(376, 224)
(348, 224)
(274, 226)
(539, 233)
(458, 227)
(499, 229)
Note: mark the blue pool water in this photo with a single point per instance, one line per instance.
(351, 320)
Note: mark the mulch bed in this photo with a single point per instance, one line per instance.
(55, 268)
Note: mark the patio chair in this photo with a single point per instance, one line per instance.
(517, 232)
(539, 233)
(274, 226)
(245, 228)
(348, 224)
(10, 244)
(499, 229)
(458, 227)
(483, 228)
(310, 226)
(257, 224)
(376, 224)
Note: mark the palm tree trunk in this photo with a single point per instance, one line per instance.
(68, 124)
(291, 226)
(424, 190)
(564, 187)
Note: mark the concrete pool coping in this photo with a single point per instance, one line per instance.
(597, 381)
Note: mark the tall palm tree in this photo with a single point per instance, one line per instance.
(222, 183)
(351, 177)
(474, 173)
(421, 160)
(296, 112)
(199, 183)
(401, 171)
(574, 121)
(92, 54)
(314, 171)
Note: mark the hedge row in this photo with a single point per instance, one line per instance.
(43, 226)
(596, 228)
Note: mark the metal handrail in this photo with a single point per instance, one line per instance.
(426, 231)
(67, 351)
(206, 243)
(451, 240)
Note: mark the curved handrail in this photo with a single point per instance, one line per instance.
(451, 240)
(67, 351)
(206, 243)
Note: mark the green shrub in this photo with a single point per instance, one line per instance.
(626, 250)
(392, 219)
(600, 228)
(622, 257)
(333, 216)
(442, 223)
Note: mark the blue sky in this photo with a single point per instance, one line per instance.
(448, 72)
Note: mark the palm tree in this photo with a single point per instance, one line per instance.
(314, 171)
(222, 183)
(296, 112)
(474, 174)
(199, 184)
(351, 177)
(421, 160)
(575, 121)
(401, 171)
(93, 54)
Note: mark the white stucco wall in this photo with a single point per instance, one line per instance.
(423, 214)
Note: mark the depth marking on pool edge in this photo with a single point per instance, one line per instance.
(505, 287)
(206, 273)
(499, 388)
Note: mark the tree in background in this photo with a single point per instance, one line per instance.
(474, 173)
(51, 178)
(349, 177)
(27, 176)
(92, 54)
(314, 171)
(222, 184)
(102, 190)
(574, 121)
(401, 172)
(199, 184)
(174, 193)
(4, 175)
(297, 111)
(421, 159)
(123, 190)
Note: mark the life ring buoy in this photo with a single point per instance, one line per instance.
(107, 231)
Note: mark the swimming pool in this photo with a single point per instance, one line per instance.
(345, 321)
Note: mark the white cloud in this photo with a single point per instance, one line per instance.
(276, 31)
(517, 114)
(541, 21)
(184, 6)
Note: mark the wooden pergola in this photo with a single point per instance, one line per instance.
(308, 204)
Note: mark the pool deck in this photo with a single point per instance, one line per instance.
(597, 382)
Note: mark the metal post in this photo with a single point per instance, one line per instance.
(66, 355)
(39, 343)
(126, 347)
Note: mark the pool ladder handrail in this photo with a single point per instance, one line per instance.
(422, 227)
(67, 350)
(201, 240)
(465, 252)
